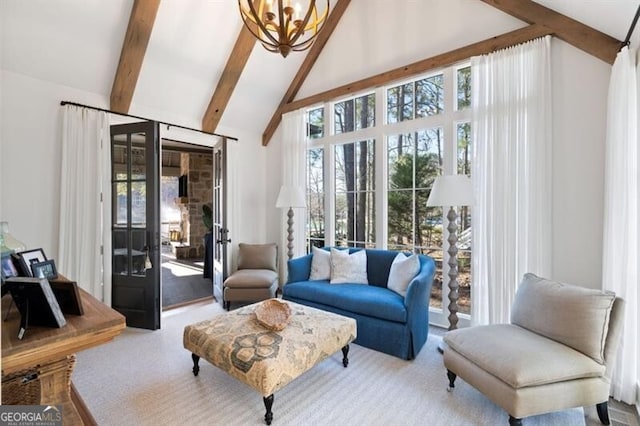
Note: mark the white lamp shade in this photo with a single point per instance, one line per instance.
(451, 190)
(291, 196)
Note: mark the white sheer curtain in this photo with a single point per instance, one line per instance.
(511, 174)
(620, 249)
(85, 152)
(294, 166)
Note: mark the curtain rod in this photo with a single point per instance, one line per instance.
(146, 119)
(627, 39)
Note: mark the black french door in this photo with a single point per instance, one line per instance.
(135, 226)
(220, 231)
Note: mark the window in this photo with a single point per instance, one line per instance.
(354, 194)
(368, 181)
(315, 198)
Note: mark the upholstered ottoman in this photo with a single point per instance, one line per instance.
(268, 360)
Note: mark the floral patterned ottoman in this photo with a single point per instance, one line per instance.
(268, 360)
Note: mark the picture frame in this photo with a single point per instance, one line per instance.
(8, 267)
(36, 303)
(28, 257)
(68, 296)
(46, 269)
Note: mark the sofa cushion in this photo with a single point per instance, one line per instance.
(320, 264)
(513, 354)
(348, 267)
(366, 300)
(575, 316)
(378, 266)
(403, 270)
(257, 256)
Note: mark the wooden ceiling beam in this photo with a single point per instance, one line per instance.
(305, 68)
(134, 47)
(227, 83)
(481, 48)
(579, 35)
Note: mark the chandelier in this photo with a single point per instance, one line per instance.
(282, 26)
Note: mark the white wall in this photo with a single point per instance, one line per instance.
(580, 86)
(30, 163)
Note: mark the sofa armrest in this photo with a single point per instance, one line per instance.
(299, 269)
(419, 289)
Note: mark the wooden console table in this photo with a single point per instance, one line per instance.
(47, 355)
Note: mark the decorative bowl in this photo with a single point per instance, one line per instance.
(273, 314)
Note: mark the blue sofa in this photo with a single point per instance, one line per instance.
(387, 321)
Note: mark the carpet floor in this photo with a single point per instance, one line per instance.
(144, 378)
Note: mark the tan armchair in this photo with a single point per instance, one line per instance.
(256, 277)
(556, 354)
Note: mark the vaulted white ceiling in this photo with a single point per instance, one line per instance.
(77, 43)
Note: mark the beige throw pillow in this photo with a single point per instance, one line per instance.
(575, 316)
(348, 268)
(320, 264)
(403, 270)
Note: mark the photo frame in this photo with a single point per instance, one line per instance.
(46, 269)
(8, 267)
(68, 296)
(28, 257)
(36, 303)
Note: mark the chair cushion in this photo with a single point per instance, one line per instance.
(251, 278)
(520, 357)
(257, 256)
(575, 316)
(357, 298)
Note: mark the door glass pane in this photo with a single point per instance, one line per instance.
(138, 204)
(119, 160)
(138, 160)
(138, 252)
(120, 204)
(120, 251)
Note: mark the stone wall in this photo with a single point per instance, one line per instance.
(199, 169)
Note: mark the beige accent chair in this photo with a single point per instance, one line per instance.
(556, 354)
(256, 278)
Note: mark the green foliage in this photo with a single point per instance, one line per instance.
(207, 216)
(401, 200)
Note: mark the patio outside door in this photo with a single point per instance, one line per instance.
(135, 223)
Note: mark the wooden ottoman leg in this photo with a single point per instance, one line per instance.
(345, 357)
(268, 403)
(196, 367)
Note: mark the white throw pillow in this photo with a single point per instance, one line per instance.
(403, 270)
(320, 264)
(348, 268)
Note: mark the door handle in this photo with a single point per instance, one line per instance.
(223, 239)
